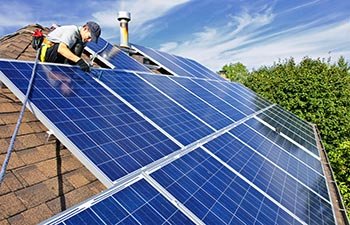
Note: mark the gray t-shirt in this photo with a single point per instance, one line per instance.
(67, 34)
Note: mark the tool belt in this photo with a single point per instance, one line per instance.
(46, 44)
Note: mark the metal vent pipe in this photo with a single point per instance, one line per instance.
(124, 17)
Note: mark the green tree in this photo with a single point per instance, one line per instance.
(340, 161)
(318, 92)
(235, 72)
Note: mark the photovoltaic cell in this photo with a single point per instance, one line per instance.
(115, 56)
(232, 97)
(194, 104)
(176, 121)
(210, 98)
(305, 174)
(301, 201)
(293, 149)
(176, 64)
(202, 69)
(215, 194)
(244, 92)
(106, 131)
(139, 203)
(292, 126)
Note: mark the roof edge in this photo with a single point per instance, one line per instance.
(334, 192)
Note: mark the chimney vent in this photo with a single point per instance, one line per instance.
(124, 17)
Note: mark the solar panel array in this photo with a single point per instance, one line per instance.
(178, 149)
(114, 56)
(177, 65)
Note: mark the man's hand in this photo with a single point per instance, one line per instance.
(83, 65)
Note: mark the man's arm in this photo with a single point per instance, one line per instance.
(67, 53)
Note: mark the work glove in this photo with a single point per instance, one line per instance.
(83, 65)
(37, 39)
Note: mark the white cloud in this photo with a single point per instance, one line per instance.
(315, 43)
(169, 46)
(210, 46)
(244, 40)
(141, 12)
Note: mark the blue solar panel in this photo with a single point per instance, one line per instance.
(115, 56)
(139, 203)
(210, 98)
(292, 126)
(215, 194)
(302, 201)
(244, 92)
(197, 106)
(103, 129)
(202, 69)
(165, 113)
(286, 145)
(176, 64)
(246, 106)
(305, 174)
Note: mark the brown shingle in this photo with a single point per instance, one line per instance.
(16, 220)
(4, 222)
(37, 154)
(28, 141)
(70, 163)
(9, 107)
(30, 174)
(96, 187)
(72, 198)
(34, 215)
(59, 185)
(12, 182)
(4, 189)
(35, 195)
(10, 205)
(15, 161)
(48, 167)
(6, 131)
(3, 146)
(77, 179)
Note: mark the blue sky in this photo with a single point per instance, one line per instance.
(213, 32)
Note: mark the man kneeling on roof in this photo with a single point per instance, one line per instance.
(65, 44)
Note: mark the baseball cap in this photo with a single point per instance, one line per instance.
(95, 30)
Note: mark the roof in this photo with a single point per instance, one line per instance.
(42, 178)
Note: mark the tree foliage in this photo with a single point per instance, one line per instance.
(235, 72)
(318, 92)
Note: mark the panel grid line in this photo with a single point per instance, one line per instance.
(253, 185)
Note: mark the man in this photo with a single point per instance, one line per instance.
(66, 43)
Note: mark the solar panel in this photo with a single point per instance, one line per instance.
(114, 56)
(291, 126)
(104, 133)
(281, 158)
(177, 65)
(242, 91)
(304, 202)
(174, 119)
(232, 97)
(216, 195)
(196, 105)
(301, 154)
(139, 203)
(223, 106)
